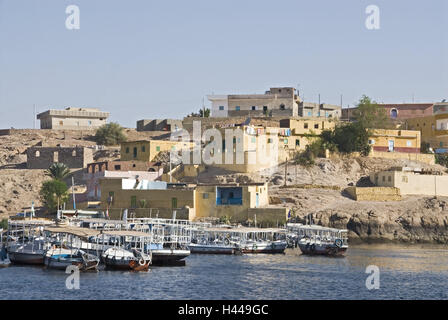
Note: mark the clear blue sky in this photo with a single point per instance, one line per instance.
(157, 59)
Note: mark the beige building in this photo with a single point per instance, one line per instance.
(325, 110)
(274, 102)
(147, 150)
(239, 202)
(73, 118)
(412, 181)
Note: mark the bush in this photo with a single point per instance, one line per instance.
(58, 171)
(348, 138)
(306, 158)
(110, 134)
(442, 159)
(54, 192)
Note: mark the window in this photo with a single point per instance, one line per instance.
(282, 107)
(143, 149)
(393, 113)
(173, 203)
(305, 125)
(37, 154)
(117, 167)
(221, 108)
(310, 113)
(297, 142)
(55, 156)
(409, 143)
(237, 108)
(389, 178)
(285, 141)
(441, 144)
(384, 179)
(157, 148)
(371, 141)
(404, 179)
(254, 107)
(133, 165)
(89, 122)
(74, 153)
(127, 150)
(61, 123)
(135, 152)
(254, 139)
(205, 196)
(265, 108)
(316, 126)
(269, 140)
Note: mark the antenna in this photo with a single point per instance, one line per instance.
(34, 119)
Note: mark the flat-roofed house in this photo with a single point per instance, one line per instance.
(73, 118)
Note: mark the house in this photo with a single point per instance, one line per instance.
(398, 111)
(310, 109)
(147, 150)
(274, 102)
(433, 128)
(296, 134)
(412, 181)
(239, 202)
(73, 157)
(118, 169)
(159, 125)
(387, 140)
(72, 119)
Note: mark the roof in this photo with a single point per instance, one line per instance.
(77, 231)
(75, 112)
(124, 233)
(406, 105)
(245, 230)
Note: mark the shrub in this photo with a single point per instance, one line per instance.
(442, 159)
(58, 171)
(4, 224)
(54, 192)
(110, 134)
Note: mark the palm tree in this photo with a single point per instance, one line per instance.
(58, 171)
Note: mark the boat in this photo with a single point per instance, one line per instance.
(263, 246)
(259, 240)
(128, 252)
(60, 258)
(212, 241)
(4, 259)
(29, 246)
(319, 240)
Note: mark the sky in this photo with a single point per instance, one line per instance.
(141, 59)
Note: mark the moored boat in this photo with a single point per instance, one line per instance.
(316, 246)
(60, 258)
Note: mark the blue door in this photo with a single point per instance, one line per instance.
(257, 201)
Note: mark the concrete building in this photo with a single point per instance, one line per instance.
(386, 140)
(433, 129)
(412, 181)
(275, 102)
(159, 125)
(118, 169)
(296, 134)
(239, 202)
(72, 157)
(72, 118)
(398, 111)
(147, 150)
(325, 110)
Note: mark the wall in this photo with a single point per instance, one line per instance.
(413, 184)
(72, 157)
(421, 157)
(217, 101)
(148, 150)
(159, 125)
(407, 141)
(374, 193)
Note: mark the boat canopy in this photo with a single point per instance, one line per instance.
(76, 231)
(245, 230)
(126, 233)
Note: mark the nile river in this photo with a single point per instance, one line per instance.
(406, 272)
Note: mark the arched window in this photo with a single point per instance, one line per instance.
(282, 107)
(37, 154)
(394, 113)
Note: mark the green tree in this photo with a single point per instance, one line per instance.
(370, 115)
(110, 134)
(58, 171)
(204, 113)
(53, 193)
(4, 224)
(349, 137)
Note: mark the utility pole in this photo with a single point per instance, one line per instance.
(73, 193)
(34, 120)
(286, 169)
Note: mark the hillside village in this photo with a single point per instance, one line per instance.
(394, 191)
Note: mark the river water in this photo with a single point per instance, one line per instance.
(406, 272)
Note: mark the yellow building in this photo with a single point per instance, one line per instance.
(387, 140)
(239, 202)
(147, 150)
(433, 129)
(296, 134)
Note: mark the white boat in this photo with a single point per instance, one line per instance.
(128, 252)
(263, 246)
(211, 248)
(61, 258)
(31, 252)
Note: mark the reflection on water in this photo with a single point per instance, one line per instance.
(407, 272)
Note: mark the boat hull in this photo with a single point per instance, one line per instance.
(211, 249)
(264, 248)
(125, 264)
(325, 250)
(26, 258)
(169, 256)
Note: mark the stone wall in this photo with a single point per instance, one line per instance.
(72, 157)
(374, 193)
